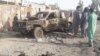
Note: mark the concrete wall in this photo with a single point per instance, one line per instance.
(7, 11)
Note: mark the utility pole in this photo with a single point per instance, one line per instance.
(7, 2)
(20, 9)
(7, 9)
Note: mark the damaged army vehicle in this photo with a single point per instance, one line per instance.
(43, 22)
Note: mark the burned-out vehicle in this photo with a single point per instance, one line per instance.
(43, 22)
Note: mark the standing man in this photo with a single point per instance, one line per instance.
(15, 22)
(76, 20)
(15, 18)
(92, 20)
(83, 23)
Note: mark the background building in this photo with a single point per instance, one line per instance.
(37, 8)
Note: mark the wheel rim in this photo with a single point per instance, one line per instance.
(38, 33)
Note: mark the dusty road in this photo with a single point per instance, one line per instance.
(58, 44)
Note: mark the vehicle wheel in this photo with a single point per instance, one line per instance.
(38, 33)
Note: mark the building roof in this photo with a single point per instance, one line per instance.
(5, 2)
(54, 6)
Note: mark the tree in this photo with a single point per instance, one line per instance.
(95, 4)
(81, 4)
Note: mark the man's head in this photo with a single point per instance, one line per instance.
(86, 9)
(91, 10)
(16, 14)
(78, 8)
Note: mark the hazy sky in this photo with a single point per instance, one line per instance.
(63, 4)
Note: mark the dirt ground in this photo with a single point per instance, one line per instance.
(56, 44)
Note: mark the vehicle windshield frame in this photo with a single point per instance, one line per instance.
(42, 14)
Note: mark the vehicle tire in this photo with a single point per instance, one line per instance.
(38, 33)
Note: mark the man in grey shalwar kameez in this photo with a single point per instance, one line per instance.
(84, 24)
(76, 20)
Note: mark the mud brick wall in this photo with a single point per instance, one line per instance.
(7, 13)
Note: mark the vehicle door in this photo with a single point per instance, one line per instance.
(63, 21)
(53, 21)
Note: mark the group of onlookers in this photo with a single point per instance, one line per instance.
(86, 21)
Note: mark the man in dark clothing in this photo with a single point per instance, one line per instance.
(76, 20)
(15, 22)
(15, 18)
(84, 24)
